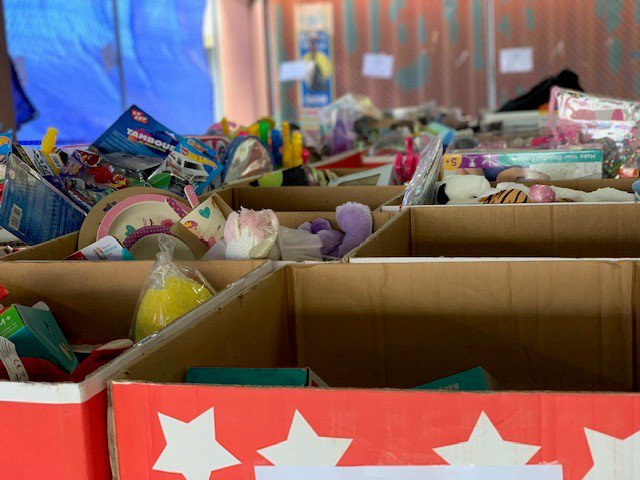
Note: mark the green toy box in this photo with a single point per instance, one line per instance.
(35, 334)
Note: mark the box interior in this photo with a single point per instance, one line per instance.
(306, 199)
(96, 305)
(556, 230)
(532, 325)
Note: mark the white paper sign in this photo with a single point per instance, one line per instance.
(294, 70)
(516, 60)
(377, 65)
(528, 472)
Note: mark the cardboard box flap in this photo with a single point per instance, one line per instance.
(532, 325)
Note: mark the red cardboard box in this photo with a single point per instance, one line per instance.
(542, 329)
(59, 430)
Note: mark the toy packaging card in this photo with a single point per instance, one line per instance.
(107, 248)
(476, 379)
(511, 165)
(32, 209)
(137, 133)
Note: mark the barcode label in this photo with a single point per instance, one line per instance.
(15, 218)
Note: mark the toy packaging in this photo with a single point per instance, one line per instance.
(171, 290)
(512, 165)
(33, 209)
(35, 333)
(587, 118)
(107, 248)
(474, 380)
(263, 377)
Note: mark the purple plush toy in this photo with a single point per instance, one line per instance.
(357, 224)
(353, 218)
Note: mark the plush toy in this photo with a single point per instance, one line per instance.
(353, 218)
(330, 238)
(250, 234)
(506, 196)
(356, 222)
(463, 189)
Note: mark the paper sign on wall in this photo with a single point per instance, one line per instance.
(377, 65)
(516, 60)
(528, 472)
(294, 70)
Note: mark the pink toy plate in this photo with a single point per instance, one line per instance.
(140, 211)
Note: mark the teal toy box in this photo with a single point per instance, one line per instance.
(257, 377)
(474, 380)
(35, 334)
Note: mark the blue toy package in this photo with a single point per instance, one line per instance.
(137, 133)
(32, 209)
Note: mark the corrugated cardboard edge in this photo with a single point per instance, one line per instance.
(111, 434)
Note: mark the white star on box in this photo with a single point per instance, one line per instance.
(613, 458)
(192, 449)
(304, 447)
(486, 447)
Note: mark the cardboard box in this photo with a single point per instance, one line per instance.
(64, 246)
(546, 327)
(58, 430)
(306, 199)
(535, 230)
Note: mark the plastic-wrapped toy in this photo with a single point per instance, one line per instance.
(250, 234)
(171, 291)
(422, 187)
(588, 118)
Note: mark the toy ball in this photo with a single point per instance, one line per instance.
(542, 194)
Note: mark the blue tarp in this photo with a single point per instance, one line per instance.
(65, 53)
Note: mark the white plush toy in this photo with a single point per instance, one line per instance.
(250, 234)
(465, 189)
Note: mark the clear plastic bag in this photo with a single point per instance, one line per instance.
(422, 187)
(170, 291)
(298, 245)
(613, 123)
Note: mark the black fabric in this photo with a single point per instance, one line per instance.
(539, 94)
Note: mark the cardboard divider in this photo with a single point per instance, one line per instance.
(552, 230)
(306, 199)
(95, 303)
(531, 325)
